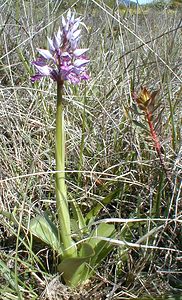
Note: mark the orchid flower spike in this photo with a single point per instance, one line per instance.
(64, 60)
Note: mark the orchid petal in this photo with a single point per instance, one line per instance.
(45, 53)
(81, 62)
(75, 26)
(51, 45)
(74, 43)
(69, 15)
(67, 68)
(65, 54)
(36, 77)
(56, 41)
(73, 79)
(75, 34)
(79, 52)
(63, 21)
(85, 76)
(39, 62)
(45, 70)
(59, 32)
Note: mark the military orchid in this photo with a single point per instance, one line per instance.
(64, 61)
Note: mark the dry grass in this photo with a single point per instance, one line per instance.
(108, 148)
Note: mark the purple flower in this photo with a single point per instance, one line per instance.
(64, 60)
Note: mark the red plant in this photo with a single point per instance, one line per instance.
(146, 101)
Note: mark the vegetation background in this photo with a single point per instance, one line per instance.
(110, 155)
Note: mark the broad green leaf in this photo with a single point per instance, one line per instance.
(76, 270)
(101, 248)
(95, 210)
(43, 228)
(103, 230)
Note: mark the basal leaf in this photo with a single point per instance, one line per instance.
(101, 248)
(76, 270)
(103, 230)
(43, 228)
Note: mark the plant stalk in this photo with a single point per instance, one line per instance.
(158, 147)
(61, 191)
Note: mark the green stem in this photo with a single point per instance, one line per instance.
(82, 142)
(61, 192)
